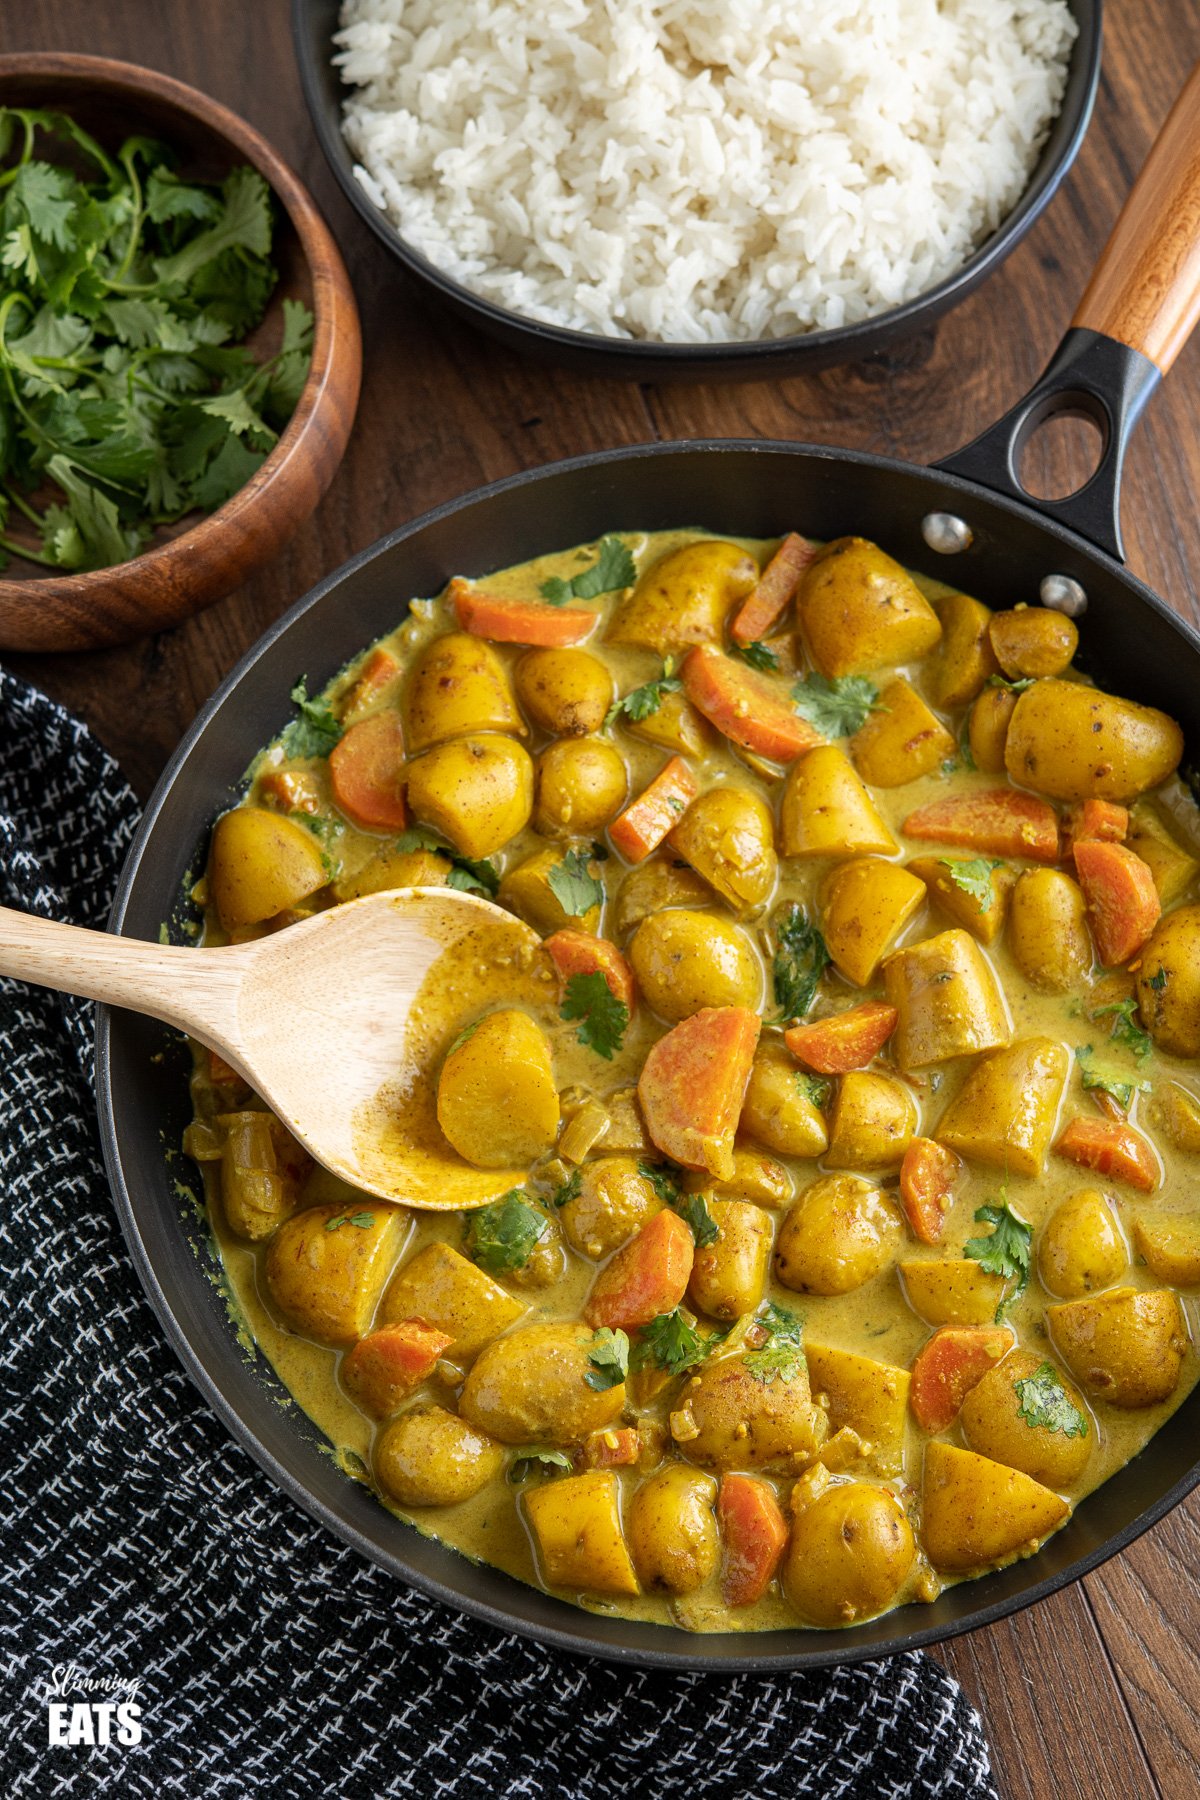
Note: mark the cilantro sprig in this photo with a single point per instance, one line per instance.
(1125, 1029)
(973, 876)
(574, 886)
(502, 1236)
(758, 655)
(662, 1181)
(782, 1355)
(672, 1343)
(1004, 1252)
(641, 702)
(364, 1221)
(815, 1088)
(838, 707)
(800, 960)
(527, 1458)
(470, 874)
(1044, 1403)
(316, 728)
(608, 1359)
(568, 1190)
(693, 1210)
(1105, 1081)
(614, 568)
(603, 1019)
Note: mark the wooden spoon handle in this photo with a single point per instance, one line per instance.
(1145, 291)
(195, 990)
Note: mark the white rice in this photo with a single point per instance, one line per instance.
(700, 170)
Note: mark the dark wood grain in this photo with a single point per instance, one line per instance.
(1091, 1693)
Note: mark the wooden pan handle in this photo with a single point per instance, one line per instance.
(1145, 291)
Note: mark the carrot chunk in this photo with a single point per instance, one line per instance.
(291, 790)
(1123, 906)
(508, 621)
(775, 589)
(379, 669)
(1102, 819)
(927, 1177)
(1112, 1149)
(755, 1536)
(946, 1369)
(996, 821)
(384, 1368)
(646, 821)
(617, 1448)
(648, 1276)
(365, 771)
(693, 1083)
(575, 953)
(849, 1040)
(748, 708)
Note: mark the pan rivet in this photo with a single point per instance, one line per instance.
(946, 533)
(1062, 593)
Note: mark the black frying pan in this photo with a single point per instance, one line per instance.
(1135, 316)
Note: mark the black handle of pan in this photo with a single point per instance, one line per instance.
(1090, 376)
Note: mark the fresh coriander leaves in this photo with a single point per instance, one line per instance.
(696, 1216)
(782, 1356)
(671, 1343)
(758, 655)
(1004, 1252)
(1121, 1089)
(568, 1190)
(643, 701)
(973, 875)
(603, 1018)
(609, 1359)
(800, 960)
(1013, 687)
(1125, 1030)
(470, 875)
(502, 1237)
(614, 568)
(662, 1181)
(574, 886)
(364, 1221)
(315, 730)
(528, 1457)
(1043, 1402)
(815, 1088)
(837, 707)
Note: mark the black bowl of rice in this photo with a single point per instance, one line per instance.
(700, 189)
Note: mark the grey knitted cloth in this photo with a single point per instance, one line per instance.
(140, 1543)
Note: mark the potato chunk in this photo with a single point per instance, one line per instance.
(565, 692)
(652, 888)
(684, 597)
(964, 658)
(431, 1457)
(1081, 1247)
(730, 1419)
(440, 1286)
(842, 1232)
(614, 1200)
(827, 811)
(728, 836)
(859, 610)
(872, 1124)
(865, 905)
(1006, 1110)
(1125, 1346)
(1001, 1418)
(727, 1277)
(852, 1550)
(576, 1526)
(326, 1266)
(1048, 933)
(458, 687)
(777, 1111)
(581, 785)
(869, 1397)
(976, 1512)
(526, 890)
(260, 863)
(531, 1387)
(981, 912)
(952, 1291)
(685, 961)
(948, 1000)
(1075, 743)
(672, 1530)
(1169, 1245)
(477, 792)
(902, 740)
(1168, 983)
(496, 1100)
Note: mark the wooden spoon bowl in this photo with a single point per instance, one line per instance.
(192, 564)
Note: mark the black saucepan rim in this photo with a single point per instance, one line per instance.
(246, 1395)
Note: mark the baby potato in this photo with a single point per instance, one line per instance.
(576, 1526)
(1169, 863)
(581, 785)
(1076, 743)
(261, 862)
(526, 890)
(851, 1552)
(755, 1177)
(777, 1111)
(531, 1387)
(728, 1277)
(872, 1123)
(963, 907)
(1175, 1111)
(1168, 982)
(1125, 1346)
(728, 836)
(948, 1000)
(951, 1292)
(976, 1512)
(827, 811)
(1048, 932)
(1031, 641)
(987, 728)
(841, 1232)
(728, 1419)
(901, 740)
(867, 1397)
(995, 1422)
(477, 792)
(964, 658)
(684, 597)
(685, 961)
(1006, 1110)
(614, 1200)
(496, 1100)
(859, 610)
(458, 687)
(1081, 1247)
(566, 693)
(653, 887)
(673, 725)
(431, 1457)
(440, 1286)
(324, 1270)
(1169, 1245)
(865, 905)
(392, 868)
(672, 1530)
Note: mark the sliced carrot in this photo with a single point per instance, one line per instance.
(748, 708)
(508, 621)
(617, 1448)
(575, 953)
(776, 588)
(755, 1535)
(849, 1040)
(1102, 819)
(693, 1083)
(291, 790)
(384, 1368)
(646, 1277)
(365, 770)
(379, 669)
(1112, 1149)
(646, 821)
(1123, 906)
(946, 1369)
(927, 1177)
(996, 821)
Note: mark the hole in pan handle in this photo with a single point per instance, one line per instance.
(1140, 307)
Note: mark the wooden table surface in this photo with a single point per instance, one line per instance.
(1090, 1693)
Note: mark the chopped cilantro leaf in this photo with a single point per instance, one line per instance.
(800, 960)
(1158, 981)
(469, 874)
(1013, 687)
(501, 1237)
(815, 1088)
(468, 1031)
(1121, 1090)
(783, 1353)
(568, 1190)
(837, 707)
(642, 701)
(758, 655)
(528, 1457)
(609, 1359)
(1004, 1252)
(974, 876)
(604, 1018)
(670, 1342)
(696, 1216)
(1043, 1402)
(315, 729)
(364, 1221)
(1124, 1030)
(614, 568)
(574, 886)
(662, 1181)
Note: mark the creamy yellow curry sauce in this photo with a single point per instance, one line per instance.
(738, 1346)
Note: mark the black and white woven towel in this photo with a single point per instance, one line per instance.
(141, 1543)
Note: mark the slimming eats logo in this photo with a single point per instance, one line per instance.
(110, 1714)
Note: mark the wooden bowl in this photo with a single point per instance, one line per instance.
(189, 566)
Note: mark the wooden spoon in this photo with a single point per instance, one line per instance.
(316, 1018)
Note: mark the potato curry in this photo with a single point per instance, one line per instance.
(842, 1117)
